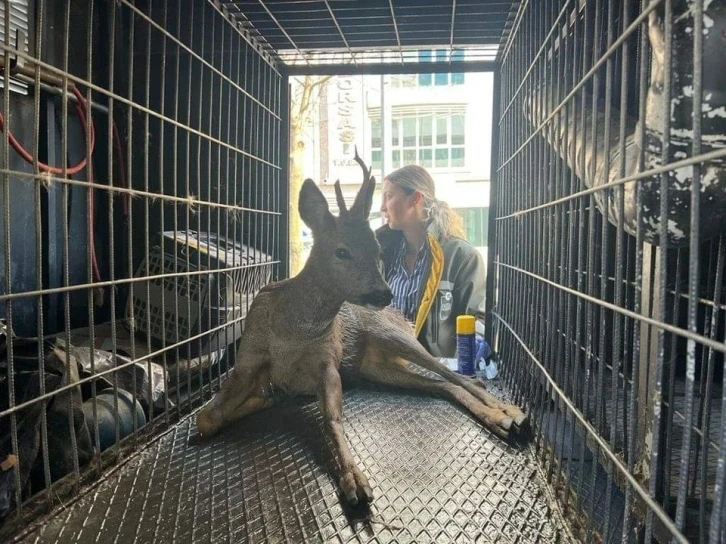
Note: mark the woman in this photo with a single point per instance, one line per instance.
(435, 274)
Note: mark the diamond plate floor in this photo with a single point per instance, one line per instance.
(437, 476)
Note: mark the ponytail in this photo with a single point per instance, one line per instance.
(445, 220)
(442, 218)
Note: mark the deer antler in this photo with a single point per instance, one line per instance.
(364, 198)
(366, 172)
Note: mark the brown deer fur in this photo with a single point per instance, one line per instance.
(332, 318)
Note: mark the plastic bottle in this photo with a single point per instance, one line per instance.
(466, 344)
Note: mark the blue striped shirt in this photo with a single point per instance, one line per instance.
(406, 288)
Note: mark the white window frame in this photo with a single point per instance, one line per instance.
(398, 149)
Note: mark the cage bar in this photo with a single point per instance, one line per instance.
(145, 203)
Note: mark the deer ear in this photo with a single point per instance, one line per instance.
(313, 208)
(364, 199)
(339, 197)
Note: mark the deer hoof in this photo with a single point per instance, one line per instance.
(501, 433)
(506, 423)
(196, 439)
(205, 424)
(520, 420)
(356, 489)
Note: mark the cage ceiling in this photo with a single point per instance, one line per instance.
(316, 34)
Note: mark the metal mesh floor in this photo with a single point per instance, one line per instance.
(436, 474)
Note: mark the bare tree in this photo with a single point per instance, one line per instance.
(304, 97)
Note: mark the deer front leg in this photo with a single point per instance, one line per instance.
(407, 348)
(379, 368)
(242, 393)
(353, 482)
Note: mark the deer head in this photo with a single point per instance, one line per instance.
(345, 253)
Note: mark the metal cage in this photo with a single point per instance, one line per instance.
(143, 177)
(608, 302)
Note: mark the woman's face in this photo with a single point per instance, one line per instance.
(398, 208)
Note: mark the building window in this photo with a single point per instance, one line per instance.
(457, 78)
(432, 138)
(377, 159)
(432, 80)
(376, 144)
(376, 132)
(476, 225)
(424, 80)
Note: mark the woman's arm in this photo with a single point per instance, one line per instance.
(470, 287)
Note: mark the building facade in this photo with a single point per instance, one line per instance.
(442, 122)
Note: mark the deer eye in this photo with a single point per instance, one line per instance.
(343, 253)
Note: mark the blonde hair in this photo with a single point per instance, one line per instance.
(443, 218)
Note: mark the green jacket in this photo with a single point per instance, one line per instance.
(455, 284)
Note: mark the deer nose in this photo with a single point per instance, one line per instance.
(379, 298)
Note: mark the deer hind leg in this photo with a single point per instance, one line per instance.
(353, 482)
(406, 347)
(246, 390)
(380, 368)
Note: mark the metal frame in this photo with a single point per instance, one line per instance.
(396, 24)
(389, 68)
(284, 232)
(395, 28)
(491, 280)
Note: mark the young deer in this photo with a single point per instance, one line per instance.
(332, 318)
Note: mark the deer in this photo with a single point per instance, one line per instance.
(334, 319)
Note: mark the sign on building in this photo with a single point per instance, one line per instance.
(347, 126)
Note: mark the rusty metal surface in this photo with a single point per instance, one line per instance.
(437, 475)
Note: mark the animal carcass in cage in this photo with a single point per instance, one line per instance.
(195, 302)
(572, 138)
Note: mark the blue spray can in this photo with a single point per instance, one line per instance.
(466, 344)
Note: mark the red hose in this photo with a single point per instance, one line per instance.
(81, 110)
(18, 147)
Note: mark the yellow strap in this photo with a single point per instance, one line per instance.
(432, 284)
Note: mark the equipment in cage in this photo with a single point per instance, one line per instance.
(203, 301)
(129, 409)
(571, 136)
